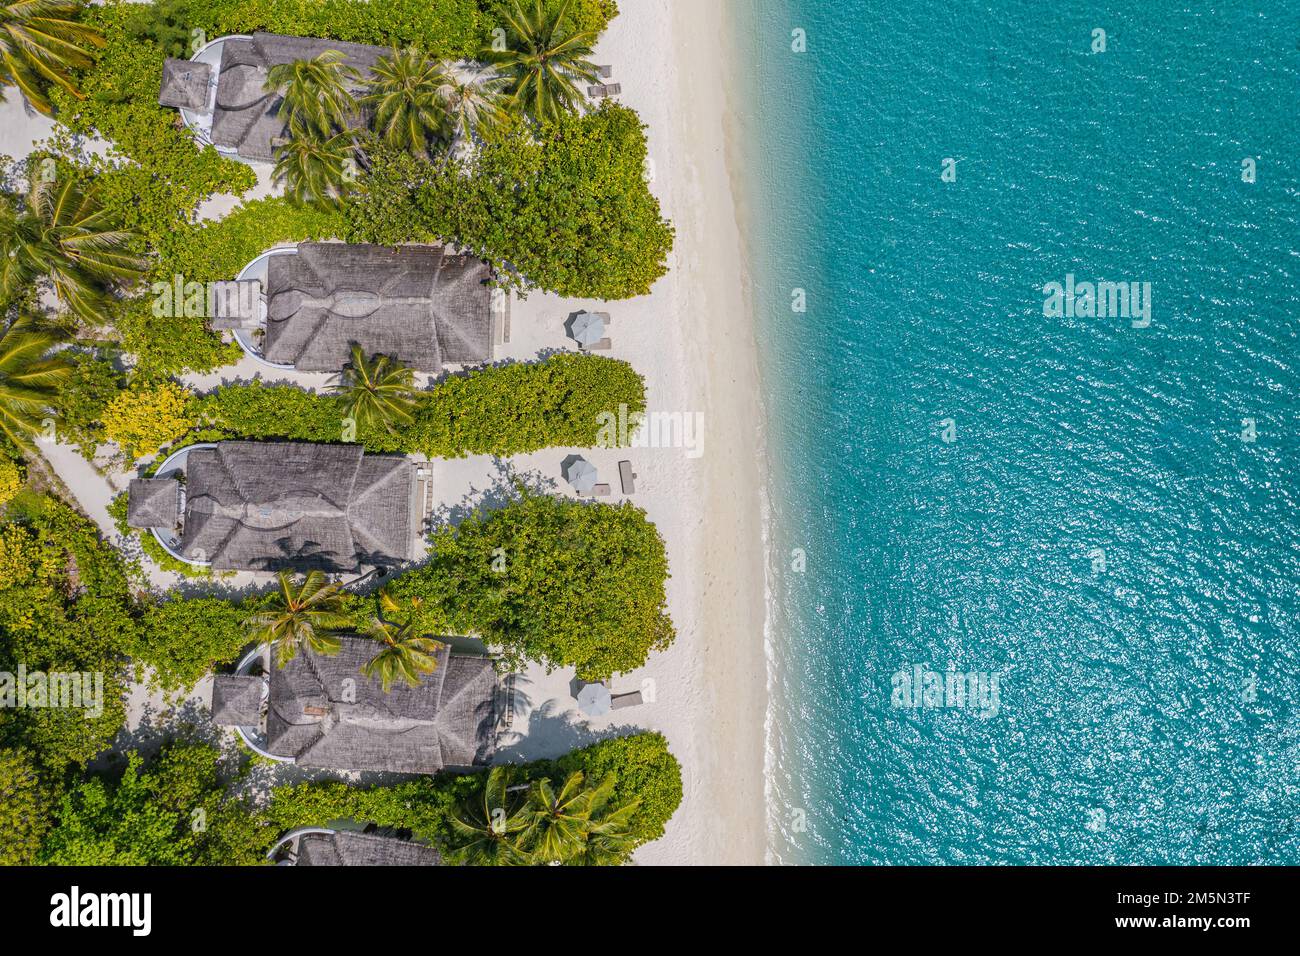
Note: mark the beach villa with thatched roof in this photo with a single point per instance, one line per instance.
(426, 306)
(322, 711)
(221, 90)
(321, 846)
(265, 506)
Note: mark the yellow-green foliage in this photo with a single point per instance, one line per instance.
(11, 480)
(142, 420)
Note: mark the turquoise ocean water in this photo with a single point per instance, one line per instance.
(1111, 531)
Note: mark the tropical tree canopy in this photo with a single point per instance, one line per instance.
(30, 379)
(406, 653)
(61, 232)
(405, 97)
(486, 826)
(40, 44)
(306, 614)
(545, 62)
(377, 393)
(317, 93)
(315, 168)
(472, 100)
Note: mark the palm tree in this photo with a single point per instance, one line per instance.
(486, 827)
(558, 820)
(472, 101)
(404, 96)
(316, 169)
(61, 232)
(317, 93)
(301, 615)
(545, 64)
(406, 653)
(609, 837)
(30, 379)
(378, 392)
(39, 46)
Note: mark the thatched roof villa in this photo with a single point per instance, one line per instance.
(222, 89)
(422, 305)
(350, 848)
(321, 711)
(264, 506)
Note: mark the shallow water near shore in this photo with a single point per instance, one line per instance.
(1034, 575)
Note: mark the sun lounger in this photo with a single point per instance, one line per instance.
(619, 701)
(604, 89)
(605, 72)
(627, 476)
(604, 345)
(600, 489)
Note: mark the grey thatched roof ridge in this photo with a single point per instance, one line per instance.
(245, 117)
(237, 700)
(349, 848)
(263, 506)
(153, 503)
(324, 712)
(185, 84)
(426, 306)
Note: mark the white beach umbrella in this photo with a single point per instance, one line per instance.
(581, 474)
(588, 329)
(594, 700)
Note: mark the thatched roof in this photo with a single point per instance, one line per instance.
(245, 117)
(263, 506)
(422, 305)
(185, 84)
(348, 848)
(153, 503)
(237, 700)
(236, 305)
(324, 712)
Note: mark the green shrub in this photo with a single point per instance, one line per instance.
(562, 582)
(443, 28)
(525, 406)
(565, 209)
(183, 639)
(24, 808)
(583, 14)
(645, 771)
(174, 812)
(94, 384)
(144, 419)
(255, 410)
(11, 480)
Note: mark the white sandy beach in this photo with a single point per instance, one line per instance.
(692, 339)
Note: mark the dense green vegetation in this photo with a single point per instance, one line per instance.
(564, 207)
(642, 770)
(564, 582)
(604, 801)
(499, 410)
(24, 808)
(65, 606)
(176, 811)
